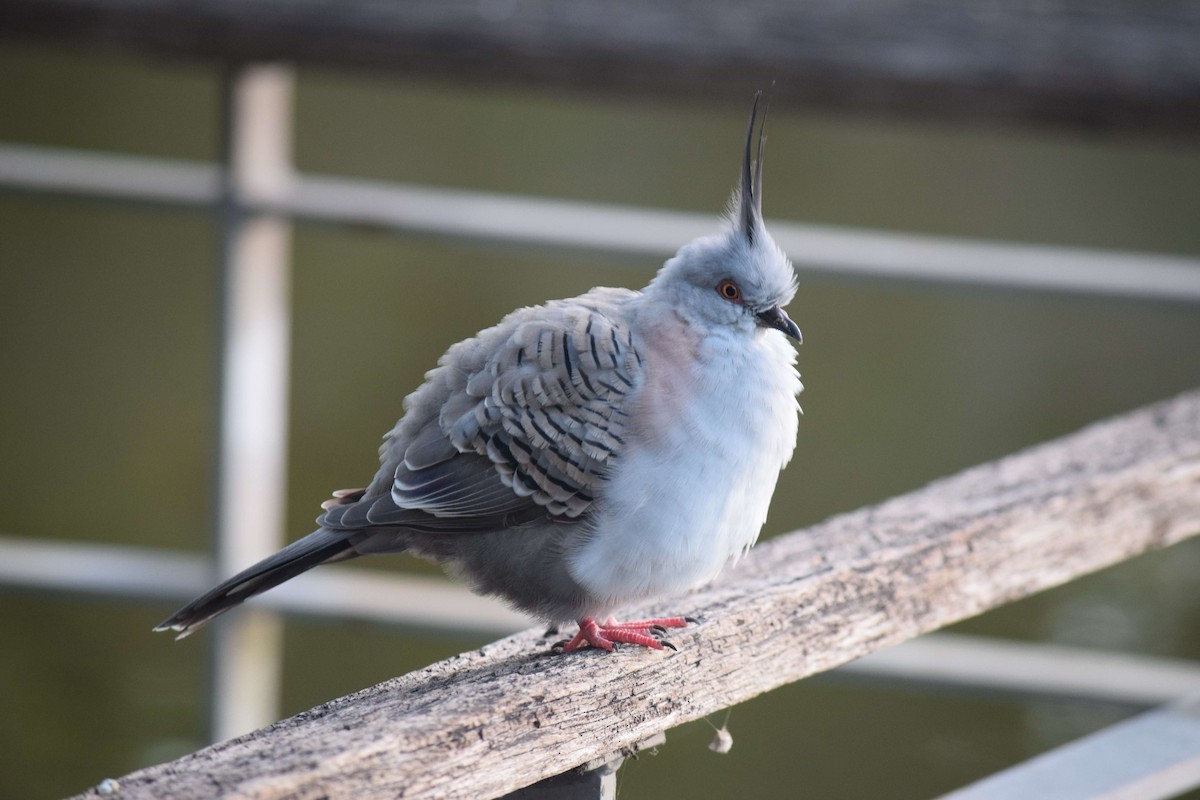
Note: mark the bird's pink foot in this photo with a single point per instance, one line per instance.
(612, 633)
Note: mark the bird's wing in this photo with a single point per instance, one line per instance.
(523, 420)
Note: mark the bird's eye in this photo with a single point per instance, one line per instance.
(730, 291)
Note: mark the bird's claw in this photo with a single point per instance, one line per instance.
(646, 633)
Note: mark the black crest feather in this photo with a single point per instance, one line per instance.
(750, 202)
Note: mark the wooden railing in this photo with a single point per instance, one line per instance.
(1098, 65)
(490, 721)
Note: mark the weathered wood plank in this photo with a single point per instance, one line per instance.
(486, 722)
(1100, 64)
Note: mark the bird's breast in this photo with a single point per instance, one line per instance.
(714, 422)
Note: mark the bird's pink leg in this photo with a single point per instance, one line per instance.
(612, 632)
(657, 622)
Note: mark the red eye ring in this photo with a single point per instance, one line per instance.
(729, 291)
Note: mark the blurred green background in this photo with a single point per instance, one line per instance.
(107, 416)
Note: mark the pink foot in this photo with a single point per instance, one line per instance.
(611, 633)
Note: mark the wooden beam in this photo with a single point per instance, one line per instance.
(489, 721)
(1104, 64)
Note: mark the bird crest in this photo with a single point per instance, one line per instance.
(748, 200)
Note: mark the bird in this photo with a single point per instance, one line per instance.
(587, 454)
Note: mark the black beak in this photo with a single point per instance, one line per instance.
(775, 318)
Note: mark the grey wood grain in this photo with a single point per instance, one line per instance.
(1102, 65)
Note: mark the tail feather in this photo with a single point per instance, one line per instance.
(319, 547)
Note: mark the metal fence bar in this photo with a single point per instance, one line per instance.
(135, 573)
(815, 248)
(612, 230)
(943, 660)
(111, 176)
(1150, 757)
(997, 666)
(256, 321)
(108, 570)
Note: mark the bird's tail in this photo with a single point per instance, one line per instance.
(320, 547)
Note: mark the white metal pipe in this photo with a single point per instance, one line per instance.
(252, 458)
(977, 663)
(612, 230)
(414, 601)
(1153, 756)
(971, 663)
(112, 176)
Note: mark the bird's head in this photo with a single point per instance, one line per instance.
(739, 278)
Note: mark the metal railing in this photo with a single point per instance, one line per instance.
(258, 195)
